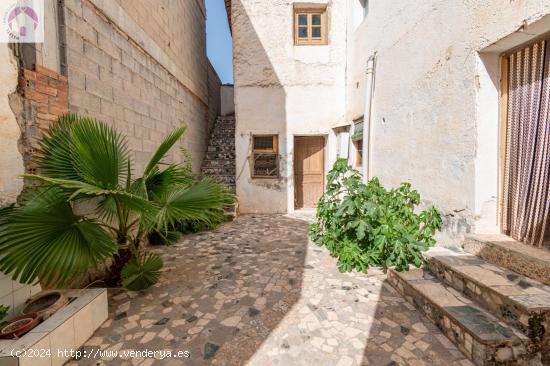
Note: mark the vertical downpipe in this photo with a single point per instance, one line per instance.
(62, 37)
(369, 94)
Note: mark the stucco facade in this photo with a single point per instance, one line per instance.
(435, 108)
(435, 117)
(285, 90)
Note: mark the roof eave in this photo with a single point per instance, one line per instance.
(228, 10)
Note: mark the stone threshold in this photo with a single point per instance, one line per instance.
(514, 298)
(479, 335)
(50, 343)
(506, 252)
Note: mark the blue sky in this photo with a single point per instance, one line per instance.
(218, 40)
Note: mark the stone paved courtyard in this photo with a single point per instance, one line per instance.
(255, 292)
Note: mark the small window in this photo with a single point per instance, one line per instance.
(265, 156)
(310, 27)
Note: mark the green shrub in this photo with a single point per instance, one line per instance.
(86, 163)
(365, 224)
(3, 311)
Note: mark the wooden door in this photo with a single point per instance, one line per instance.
(309, 170)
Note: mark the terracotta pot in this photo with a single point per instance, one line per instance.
(45, 304)
(19, 326)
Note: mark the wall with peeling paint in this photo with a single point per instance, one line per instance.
(283, 89)
(11, 163)
(435, 117)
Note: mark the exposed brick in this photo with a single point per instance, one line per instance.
(58, 111)
(46, 72)
(45, 89)
(57, 103)
(35, 96)
(29, 75)
(42, 78)
(46, 116)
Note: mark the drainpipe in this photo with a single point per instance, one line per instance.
(369, 93)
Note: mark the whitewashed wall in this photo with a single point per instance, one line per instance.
(283, 89)
(435, 117)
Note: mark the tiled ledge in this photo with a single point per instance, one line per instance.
(66, 330)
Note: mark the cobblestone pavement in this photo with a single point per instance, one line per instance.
(255, 292)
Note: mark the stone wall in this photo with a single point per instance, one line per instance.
(435, 112)
(141, 67)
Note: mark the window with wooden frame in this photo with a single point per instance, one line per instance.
(310, 26)
(265, 156)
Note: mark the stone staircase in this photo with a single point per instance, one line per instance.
(219, 161)
(494, 315)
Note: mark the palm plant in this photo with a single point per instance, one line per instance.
(85, 166)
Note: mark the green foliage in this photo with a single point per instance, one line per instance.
(140, 274)
(365, 224)
(85, 163)
(3, 311)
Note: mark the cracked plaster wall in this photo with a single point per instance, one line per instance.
(283, 89)
(435, 117)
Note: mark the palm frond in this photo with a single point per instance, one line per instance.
(84, 149)
(162, 150)
(45, 240)
(55, 154)
(160, 182)
(200, 202)
(142, 273)
(79, 189)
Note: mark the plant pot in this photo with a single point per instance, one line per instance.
(19, 326)
(45, 304)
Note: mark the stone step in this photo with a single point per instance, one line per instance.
(221, 148)
(225, 137)
(219, 162)
(220, 156)
(218, 170)
(506, 252)
(484, 339)
(519, 301)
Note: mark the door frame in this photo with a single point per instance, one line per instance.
(503, 133)
(325, 160)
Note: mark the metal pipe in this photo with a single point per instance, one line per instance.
(369, 94)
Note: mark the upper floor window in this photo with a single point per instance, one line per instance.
(310, 26)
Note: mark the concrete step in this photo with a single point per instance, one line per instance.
(483, 338)
(519, 301)
(506, 252)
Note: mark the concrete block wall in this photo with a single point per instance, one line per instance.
(141, 67)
